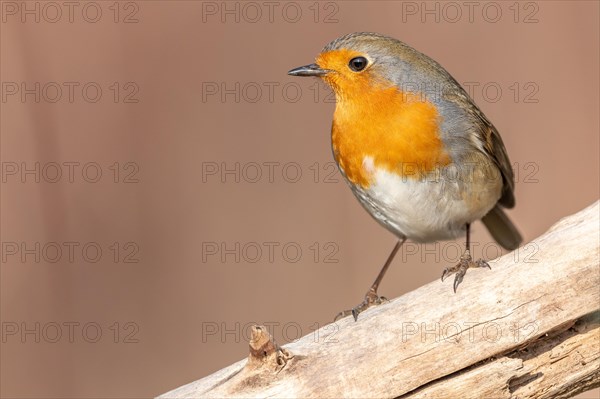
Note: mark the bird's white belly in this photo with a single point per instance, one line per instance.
(422, 209)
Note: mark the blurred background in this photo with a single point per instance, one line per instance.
(165, 184)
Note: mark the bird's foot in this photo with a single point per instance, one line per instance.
(371, 299)
(460, 269)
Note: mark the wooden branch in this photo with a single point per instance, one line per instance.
(529, 328)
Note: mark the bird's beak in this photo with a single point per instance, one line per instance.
(308, 70)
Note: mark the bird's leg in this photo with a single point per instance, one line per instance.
(465, 262)
(372, 298)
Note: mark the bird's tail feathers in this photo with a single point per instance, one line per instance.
(502, 229)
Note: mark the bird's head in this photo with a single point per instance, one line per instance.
(358, 63)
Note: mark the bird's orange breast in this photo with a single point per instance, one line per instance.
(399, 131)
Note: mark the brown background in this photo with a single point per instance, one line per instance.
(172, 54)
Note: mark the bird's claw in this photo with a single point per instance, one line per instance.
(371, 299)
(461, 267)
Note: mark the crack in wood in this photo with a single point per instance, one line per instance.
(522, 380)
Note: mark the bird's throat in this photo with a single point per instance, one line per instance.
(398, 131)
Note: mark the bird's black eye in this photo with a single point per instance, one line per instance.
(357, 64)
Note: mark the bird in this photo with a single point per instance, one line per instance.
(416, 151)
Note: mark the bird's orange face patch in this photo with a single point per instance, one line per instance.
(374, 118)
(343, 80)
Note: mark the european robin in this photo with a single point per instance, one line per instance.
(416, 151)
